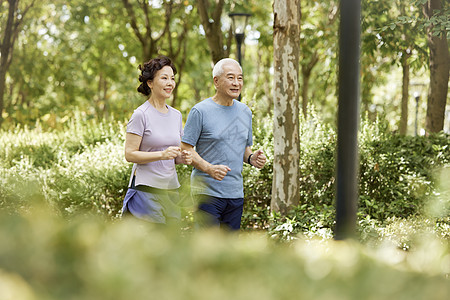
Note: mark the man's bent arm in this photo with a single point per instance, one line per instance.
(217, 172)
(197, 162)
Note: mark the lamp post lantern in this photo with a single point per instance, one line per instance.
(239, 22)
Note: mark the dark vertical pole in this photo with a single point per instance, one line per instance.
(239, 38)
(239, 41)
(417, 97)
(348, 119)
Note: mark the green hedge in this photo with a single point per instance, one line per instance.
(82, 169)
(398, 175)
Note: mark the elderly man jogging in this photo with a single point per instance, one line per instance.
(220, 129)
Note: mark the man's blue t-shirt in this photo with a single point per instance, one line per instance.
(220, 135)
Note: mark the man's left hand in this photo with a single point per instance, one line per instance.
(258, 159)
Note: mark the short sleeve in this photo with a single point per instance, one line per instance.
(193, 127)
(136, 124)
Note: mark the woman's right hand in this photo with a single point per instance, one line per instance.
(171, 153)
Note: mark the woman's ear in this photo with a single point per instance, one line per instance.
(149, 83)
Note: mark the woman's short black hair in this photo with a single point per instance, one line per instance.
(149, 69)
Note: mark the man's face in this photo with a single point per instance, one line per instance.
(230, 82)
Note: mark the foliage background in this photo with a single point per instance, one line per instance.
(82, 170)
(58, 67)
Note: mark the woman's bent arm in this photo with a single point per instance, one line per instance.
(132, 153)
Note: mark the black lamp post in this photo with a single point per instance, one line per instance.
(348, 119)
(239, 22)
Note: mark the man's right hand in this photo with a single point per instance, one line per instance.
(218, 172)
(171, 153)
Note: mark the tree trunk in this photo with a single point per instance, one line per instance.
(285, 189)
(405, 94)
(439, 73)
(142, 27)
(105, 98)
(305, 86)
(7, 45)
(267, 63)
(2, 92)
(306, 75)
(180, 68)
(213, 28)
(180, 55)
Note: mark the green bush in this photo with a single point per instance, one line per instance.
(258, 183)
(78, 169)
(397, 171)
(94, 180)
(82, 169)
(45, 148)
(396, 176)
(406, 234)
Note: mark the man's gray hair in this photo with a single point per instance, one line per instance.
(218, 67)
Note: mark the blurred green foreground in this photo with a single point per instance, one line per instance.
(43, 256)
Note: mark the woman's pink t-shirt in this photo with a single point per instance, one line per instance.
(158, 131)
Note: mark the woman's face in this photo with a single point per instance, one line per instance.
(163, 83)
